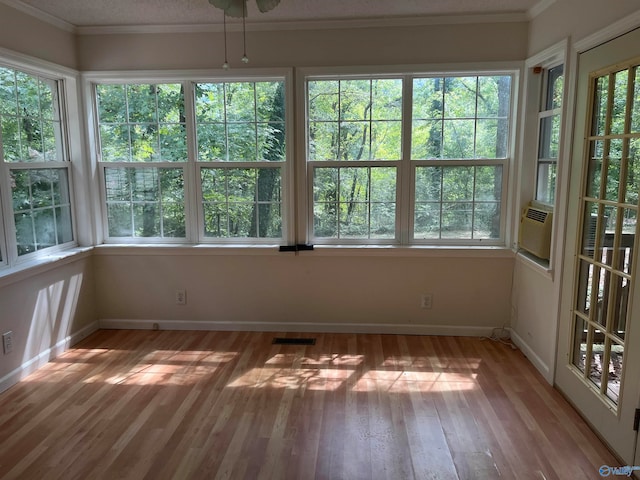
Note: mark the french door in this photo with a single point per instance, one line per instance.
(598, 365)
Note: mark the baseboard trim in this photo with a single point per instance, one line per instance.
(402, 329)
(533, 357)
(45, 356)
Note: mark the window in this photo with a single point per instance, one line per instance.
(143, 149)
(234, 175)
(34, 169)
(241, 154)
(549, 134)
(362, 148)
(354, 148)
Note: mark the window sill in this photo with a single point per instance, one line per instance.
(535, 263)
(41, 264)
(319, 250)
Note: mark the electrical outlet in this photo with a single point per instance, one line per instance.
(7, 342)
(426, 300)
(181, 297)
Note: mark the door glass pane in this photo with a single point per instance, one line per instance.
(580, 343)
(620, 296)
(606, 251)
(615, 371)
(613, 170)
(633, 172)
(591, 226)
(635, 108)
(621, 80)
(585, 286)
(609, 225)
(594, 174)
(600, 106)
(597, 357)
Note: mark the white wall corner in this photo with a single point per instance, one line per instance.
(545, 370)
(38, 361)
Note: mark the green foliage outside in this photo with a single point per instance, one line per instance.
(236, 122)
(241, 122)
(465, 119)
(614, 169)
(31, 133)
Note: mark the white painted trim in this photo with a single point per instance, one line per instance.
(555, 54)
(319, 250)
(42, 264)
(531, 355)
(625, 25)
(382, 328)
(45, 356)
(35, 65)
(309, 24)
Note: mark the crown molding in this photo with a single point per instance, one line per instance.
(284, 25)
(538, 8)
(40, 15)
(625, 25)
(308, 25)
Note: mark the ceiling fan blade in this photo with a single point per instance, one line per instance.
(236, 8)
(222, 4)
(266, 5)
(232, 8)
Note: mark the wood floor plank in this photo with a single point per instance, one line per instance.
(232, 405)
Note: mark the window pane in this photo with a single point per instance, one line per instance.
(555, 88)
(145, 202)
(458, 202)
(546, 183)
(242, 202)
(141, 123)
(240, 121)
(468, 119)
(42, 208)
(457, 138)
(460, 97)
(549, 137)
(29, 118)
(355, 119)
(426, 139)
(354, 202)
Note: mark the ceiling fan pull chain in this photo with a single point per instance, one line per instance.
(245, 59)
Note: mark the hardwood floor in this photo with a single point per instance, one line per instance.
(204, 405)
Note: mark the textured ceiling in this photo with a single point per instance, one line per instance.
(91, 13)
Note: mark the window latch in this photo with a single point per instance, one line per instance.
(295, 248)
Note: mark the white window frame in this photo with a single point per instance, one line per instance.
(543, 114)
(528, 152)
(65, 81)
(405, 193)
(194, 222)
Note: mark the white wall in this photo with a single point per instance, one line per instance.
(46, 308)
(25, 34)
(537, 292)
(312, 291)
(296, 48)
(576, 19)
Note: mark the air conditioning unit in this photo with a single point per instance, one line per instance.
(535, 231)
